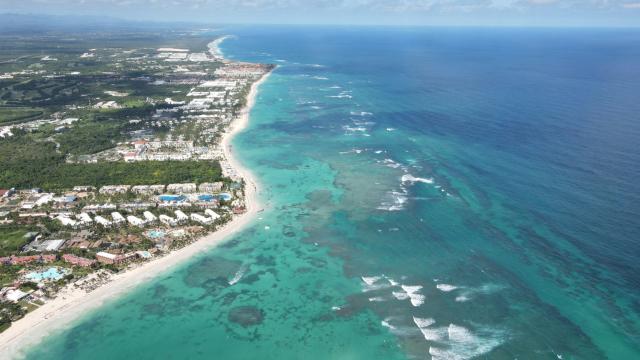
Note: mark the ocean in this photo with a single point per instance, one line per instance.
(443, 193)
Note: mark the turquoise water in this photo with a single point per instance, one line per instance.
(177, 198)
(206, 197)
(155, 234)
(430, 193)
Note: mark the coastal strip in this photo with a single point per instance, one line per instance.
(71, 303)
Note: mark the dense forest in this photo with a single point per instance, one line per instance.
(25, 163)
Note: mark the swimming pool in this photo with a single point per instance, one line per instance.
(171, 198)
(53, 273)
(225, 196)
(154, 234)
(206, 197)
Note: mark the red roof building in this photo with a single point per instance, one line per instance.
(79, 261)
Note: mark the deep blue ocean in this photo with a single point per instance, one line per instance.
(430, 193)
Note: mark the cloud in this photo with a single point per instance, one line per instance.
(416, 11)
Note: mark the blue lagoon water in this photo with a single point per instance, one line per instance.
(429, 193)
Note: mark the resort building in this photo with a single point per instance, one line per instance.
(181, 188)
(156, 189)
(20, 260)
(135, 221)
(201, 219)
(136, 205)
(99, 207)
(103, 221)
(147, 189)
(83, 188)
(114, 189)
(143, 254)
(211, 187)
(84, 218)
(212, 214)
(46, 245)
(78, 261)
(141, 189)
(66, 221)
(15, 295)
(149, 217)
(109, 258)
(167, 220)
(182, 217)
(106, 258)
(117, 218)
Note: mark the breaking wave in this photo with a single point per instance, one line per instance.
(412, 179)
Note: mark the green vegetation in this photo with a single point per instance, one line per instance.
(9, 312)
(28, 286)
(12, 240)
(89, 138)
(8, 273)
(25, 163)
(18, 114)
(134, 173)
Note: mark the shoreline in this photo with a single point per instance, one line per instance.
(71, 304)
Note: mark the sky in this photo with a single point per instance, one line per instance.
(364, 12)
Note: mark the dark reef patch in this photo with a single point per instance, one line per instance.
(246, 316)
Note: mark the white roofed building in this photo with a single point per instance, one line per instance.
(212, 214)
(117, 217)
(201, 219)
(168, 220)
(66, 221)
(135, 221)
(84, 218)
(181, 216)
(149, 217)
(103, 221)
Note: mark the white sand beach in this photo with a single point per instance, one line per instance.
(71, 304)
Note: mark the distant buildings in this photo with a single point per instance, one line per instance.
(21, 260)
(114, 189)
(148, 189)
(113, 259)
(211, 187)
(182, 188)
(107, 105)
(45, 245)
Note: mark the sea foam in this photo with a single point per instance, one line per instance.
(415, 297)
(446, 287)
(412, 179)
(238, 275)
(464, 344)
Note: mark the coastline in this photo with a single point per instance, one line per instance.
(71, 304)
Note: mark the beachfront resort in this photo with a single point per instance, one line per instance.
(112, 157)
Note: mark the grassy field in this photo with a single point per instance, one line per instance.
(11, 240)
(18, 114)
